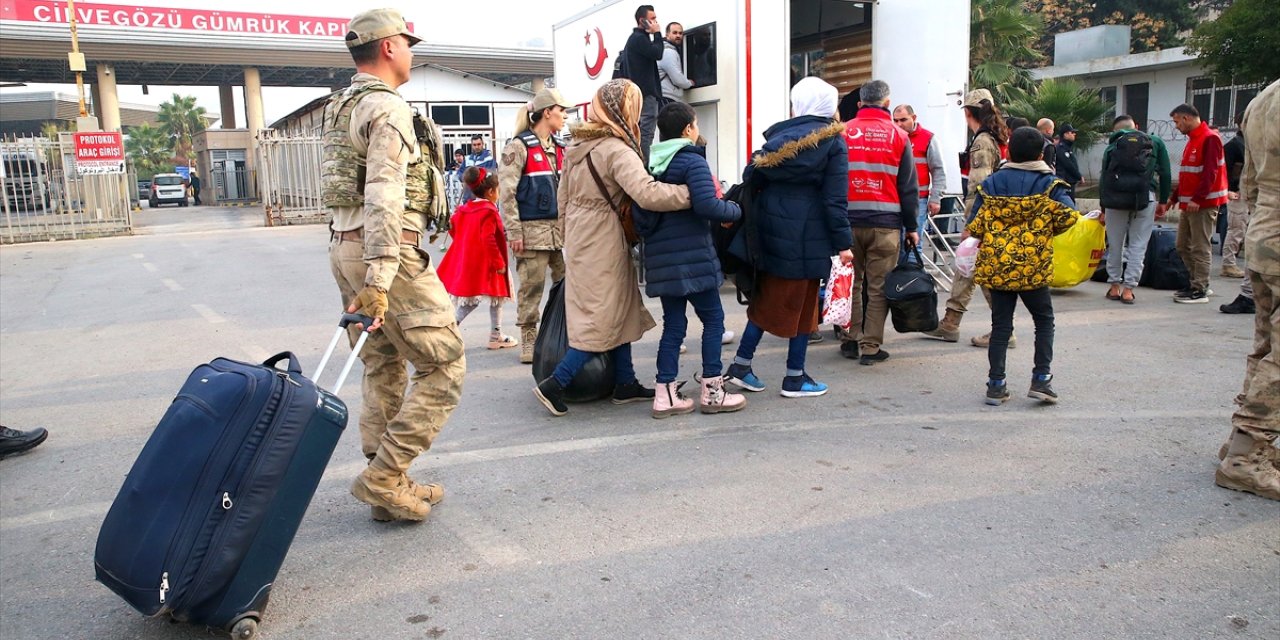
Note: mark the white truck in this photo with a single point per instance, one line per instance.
(744, 56)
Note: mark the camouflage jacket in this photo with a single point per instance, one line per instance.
(538, 235)
(1260, 180)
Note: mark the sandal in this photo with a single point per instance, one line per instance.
(1113, 293)
(1130, 299)
(502, 342)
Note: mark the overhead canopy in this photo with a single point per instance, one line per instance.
(37, 53)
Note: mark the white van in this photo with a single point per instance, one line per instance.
(168, 188)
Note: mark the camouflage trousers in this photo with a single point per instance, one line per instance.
(419, 330)
(531, 269)
(962, 294)
(1258, 413)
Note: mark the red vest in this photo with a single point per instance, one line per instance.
(875, 151)
(920, 139)
(1193, 165)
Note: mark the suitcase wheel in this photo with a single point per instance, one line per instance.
(245, 629)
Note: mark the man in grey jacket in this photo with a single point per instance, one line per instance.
(671, 67)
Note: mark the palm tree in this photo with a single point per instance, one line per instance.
(151, 150)
(1002, 38)
(182, 119)
(1066, 101)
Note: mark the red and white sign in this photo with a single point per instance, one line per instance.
(595, 55)
(99, 152)
(207, 20)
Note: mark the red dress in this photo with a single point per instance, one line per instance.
(472, 265)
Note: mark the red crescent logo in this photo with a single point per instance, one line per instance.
(594, 68)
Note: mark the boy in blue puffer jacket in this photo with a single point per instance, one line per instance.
(681, 266)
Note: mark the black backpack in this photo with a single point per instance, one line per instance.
(621, 70)
(1126, 180)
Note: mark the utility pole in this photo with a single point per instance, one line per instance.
(76, 58)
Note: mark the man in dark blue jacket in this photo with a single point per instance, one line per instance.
(644, 50)
(1067, 167)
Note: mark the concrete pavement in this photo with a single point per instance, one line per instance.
(897, 506)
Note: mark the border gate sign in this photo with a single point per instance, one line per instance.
(99, 152)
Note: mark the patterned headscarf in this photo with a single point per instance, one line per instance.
(616, 109)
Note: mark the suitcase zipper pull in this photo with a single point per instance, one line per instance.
(284, 376)
(164, 586)
(226, 500)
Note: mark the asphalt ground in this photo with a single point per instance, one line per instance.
(896, 506)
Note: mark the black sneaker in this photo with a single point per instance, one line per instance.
(14, 442)
(815, 337)
(870, 359)
(849, 349)
(1041, 389)
(551, 395)
(1240, 305)
(1182, 293)
(632, 392)
(997, 392)
(1195, 296)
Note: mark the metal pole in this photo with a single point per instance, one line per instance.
(75, 50)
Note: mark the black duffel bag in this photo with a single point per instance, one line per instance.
(912, 296)
(595, 380)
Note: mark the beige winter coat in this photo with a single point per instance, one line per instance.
(603, 306)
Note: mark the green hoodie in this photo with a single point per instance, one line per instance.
(1161, 178)
(660, 154)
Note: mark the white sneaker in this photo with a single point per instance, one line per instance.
(728, 337)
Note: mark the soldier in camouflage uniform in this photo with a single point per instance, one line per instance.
(1250, 459)
(528, 179)
(384, 192)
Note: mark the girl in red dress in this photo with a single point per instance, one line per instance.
(475, 266)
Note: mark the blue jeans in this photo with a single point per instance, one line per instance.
(624, 371)
(674, 325)
(797, 349)
(922, 225)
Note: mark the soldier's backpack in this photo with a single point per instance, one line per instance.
(621, 70)
(1126, 180)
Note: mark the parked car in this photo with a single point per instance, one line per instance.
(144, 189)
(168, 188)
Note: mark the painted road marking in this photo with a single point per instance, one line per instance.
(208, 314)
(172, 284)
(150, 267)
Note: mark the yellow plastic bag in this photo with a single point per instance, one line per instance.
(1077, 253)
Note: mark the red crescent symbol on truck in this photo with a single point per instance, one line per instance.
(594, 68)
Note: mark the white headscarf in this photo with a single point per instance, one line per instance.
(814, 97)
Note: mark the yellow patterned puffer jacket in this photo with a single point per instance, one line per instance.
(1016, 234)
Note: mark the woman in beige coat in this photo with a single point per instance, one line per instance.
(603, 307)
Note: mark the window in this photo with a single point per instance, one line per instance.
(1108, 97)
(700, 54)
(476, 115)
(1220, 105)
(446, 115)
(462, 115)
(1137, 102)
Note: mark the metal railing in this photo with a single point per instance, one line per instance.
(289, 178)
(45, 198)
(231, 185)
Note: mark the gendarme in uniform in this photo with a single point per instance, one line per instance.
(369, 147)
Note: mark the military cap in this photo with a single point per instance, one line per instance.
(377, 24)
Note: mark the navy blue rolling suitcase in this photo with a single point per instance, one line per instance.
(209, 509)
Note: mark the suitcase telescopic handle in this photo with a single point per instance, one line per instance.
(347, 320)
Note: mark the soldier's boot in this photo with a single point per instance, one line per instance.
(715, 399)
(431, 494)
(391, 491)
(668, 401)
(1232, 271)
(949, 329)
(1248, 467)
(984, 340)
(1275, 454)
(528, 336)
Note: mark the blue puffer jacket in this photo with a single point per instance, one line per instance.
(802, 210)
(679, 257)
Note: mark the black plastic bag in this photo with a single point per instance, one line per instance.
(595, 380)
(912, 296)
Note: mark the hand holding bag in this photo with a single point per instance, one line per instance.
(838, 310)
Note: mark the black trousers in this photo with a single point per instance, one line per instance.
(1003, 303)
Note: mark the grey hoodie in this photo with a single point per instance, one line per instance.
(671, 73)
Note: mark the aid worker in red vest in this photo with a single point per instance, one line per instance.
(528, 180)
(884, 197)
(1202, 188)
(929, 170)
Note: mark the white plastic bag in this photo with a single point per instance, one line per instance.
(839, 308)
(967, 256)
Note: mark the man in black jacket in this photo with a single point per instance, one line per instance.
(1068, 169)
(644, 50)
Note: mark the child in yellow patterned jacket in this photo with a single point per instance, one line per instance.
(1017, 212)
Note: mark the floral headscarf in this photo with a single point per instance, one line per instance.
(616, 109)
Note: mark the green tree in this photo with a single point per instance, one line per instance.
(52, 129)
(151, 150)
(1066, 101)
(1241, 45)
(1157, 24)
(1002, 35)
(181, 118)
